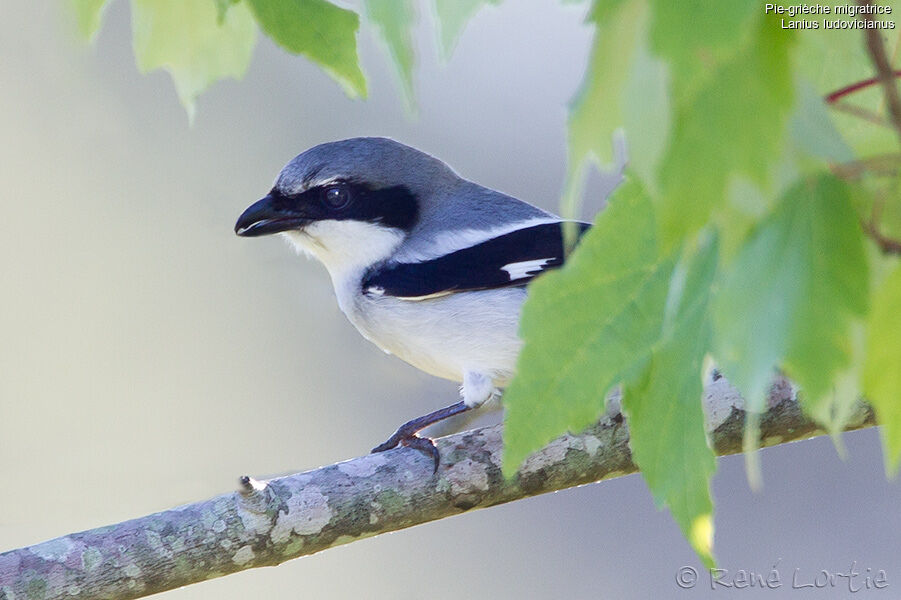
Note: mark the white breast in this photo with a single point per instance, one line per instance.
(448, 335)
(445, 336)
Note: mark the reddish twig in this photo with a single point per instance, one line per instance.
(854, 87)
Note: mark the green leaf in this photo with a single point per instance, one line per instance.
(837, 407)
(695, 36)
(222, 7)
(452, 16)
(663, 406)
(624, 89)
(812, 130)
(728, 120)
(321, 31)
(395, 20)
(89, 16)
(647, 114)
(612, 291)
(791, 293)
(184, 37)
(597, 109)
(812, 140)
(882, 369)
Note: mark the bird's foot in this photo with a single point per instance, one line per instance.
(406, 433)
(411, 440)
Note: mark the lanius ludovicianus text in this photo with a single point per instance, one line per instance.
(426, 265)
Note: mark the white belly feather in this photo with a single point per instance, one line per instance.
(449, 335)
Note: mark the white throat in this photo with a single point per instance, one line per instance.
(346, 248)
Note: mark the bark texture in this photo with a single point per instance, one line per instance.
(267, 523)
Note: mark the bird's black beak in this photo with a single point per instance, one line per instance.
(269, 215)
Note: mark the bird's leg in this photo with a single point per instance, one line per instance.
(406, 433)
(477, 389)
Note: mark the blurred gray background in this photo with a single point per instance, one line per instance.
(150, 357)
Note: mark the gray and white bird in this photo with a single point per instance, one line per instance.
(427, 265)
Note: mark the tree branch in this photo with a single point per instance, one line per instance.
(267, 523)
(883, 165)
(884, 71)
(886, 244)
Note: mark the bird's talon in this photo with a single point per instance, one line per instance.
(422, 444)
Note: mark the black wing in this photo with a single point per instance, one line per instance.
(512, 259)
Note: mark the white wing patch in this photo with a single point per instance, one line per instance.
(526, 268)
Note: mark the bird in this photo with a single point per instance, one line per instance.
(427, 265)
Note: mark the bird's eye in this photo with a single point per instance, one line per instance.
(336, 196)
